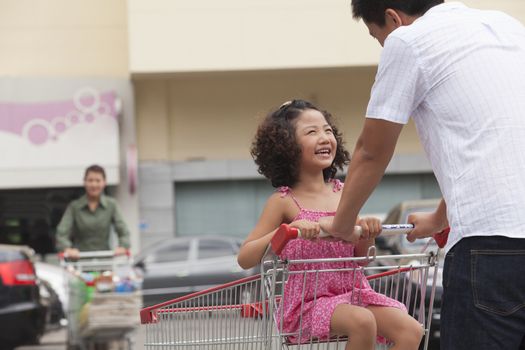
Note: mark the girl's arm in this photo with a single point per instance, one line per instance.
(253, 248)
(371, 228)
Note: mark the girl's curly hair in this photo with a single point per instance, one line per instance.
(275, 149)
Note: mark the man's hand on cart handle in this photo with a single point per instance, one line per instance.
(70, 254)
(73, 254)
(426, 224)
(122, 251)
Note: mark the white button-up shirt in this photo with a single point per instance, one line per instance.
(460, 74)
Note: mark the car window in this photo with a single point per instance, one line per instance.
(211, 248)
(10, 255)
(171, 253)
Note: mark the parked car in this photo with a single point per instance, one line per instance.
(51, 280)
(179, 266)
(22, 315)
(398, 244)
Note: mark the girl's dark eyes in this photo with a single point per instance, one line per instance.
(311, 132)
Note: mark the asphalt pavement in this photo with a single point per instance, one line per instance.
(55, 339)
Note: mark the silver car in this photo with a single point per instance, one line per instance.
(179, 266)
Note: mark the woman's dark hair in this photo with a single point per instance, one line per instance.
(95, 169)
(275, 149)
(373, 11)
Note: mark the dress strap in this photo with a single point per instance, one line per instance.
(285, 191)
(337, 185)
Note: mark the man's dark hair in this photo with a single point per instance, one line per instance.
(95, 169)
(373, 11)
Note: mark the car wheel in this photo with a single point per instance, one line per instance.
(7, 346)
(35, 334)
(34, 337)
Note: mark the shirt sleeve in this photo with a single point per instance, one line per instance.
(399, 86)
(121, 228)
(64, 230)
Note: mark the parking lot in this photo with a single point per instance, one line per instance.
(52, 340)
(56, 340)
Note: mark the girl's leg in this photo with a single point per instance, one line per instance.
(357, 323)
(397, 326)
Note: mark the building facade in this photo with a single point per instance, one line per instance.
(192, 79)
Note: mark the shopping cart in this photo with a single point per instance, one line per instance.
(247, 314)
(103, 302)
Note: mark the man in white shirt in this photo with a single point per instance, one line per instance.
(460, 74)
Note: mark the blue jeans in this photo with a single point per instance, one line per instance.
(483, 304)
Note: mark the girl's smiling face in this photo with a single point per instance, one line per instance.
(316, 139)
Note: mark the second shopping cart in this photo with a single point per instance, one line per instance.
(103, 300)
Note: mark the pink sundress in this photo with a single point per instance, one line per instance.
(324, 291)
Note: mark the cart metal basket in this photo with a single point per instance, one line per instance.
(95, 317)
(247, 314)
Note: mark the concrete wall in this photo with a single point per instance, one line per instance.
(64, 38)
(214, 116)
(209, 35)
(515, 8)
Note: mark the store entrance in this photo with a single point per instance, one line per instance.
(30, 216)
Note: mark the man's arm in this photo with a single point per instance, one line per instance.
(372, 153)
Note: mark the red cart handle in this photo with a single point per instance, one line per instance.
(285, 233)
(441, 237)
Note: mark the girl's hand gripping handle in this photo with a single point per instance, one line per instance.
(285, 233)
(282, 236)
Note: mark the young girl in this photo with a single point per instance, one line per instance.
(298, 148)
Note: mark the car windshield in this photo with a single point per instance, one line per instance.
(171, 253)
(9, 255)
(211, 248)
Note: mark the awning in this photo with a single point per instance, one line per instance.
(50, 143)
